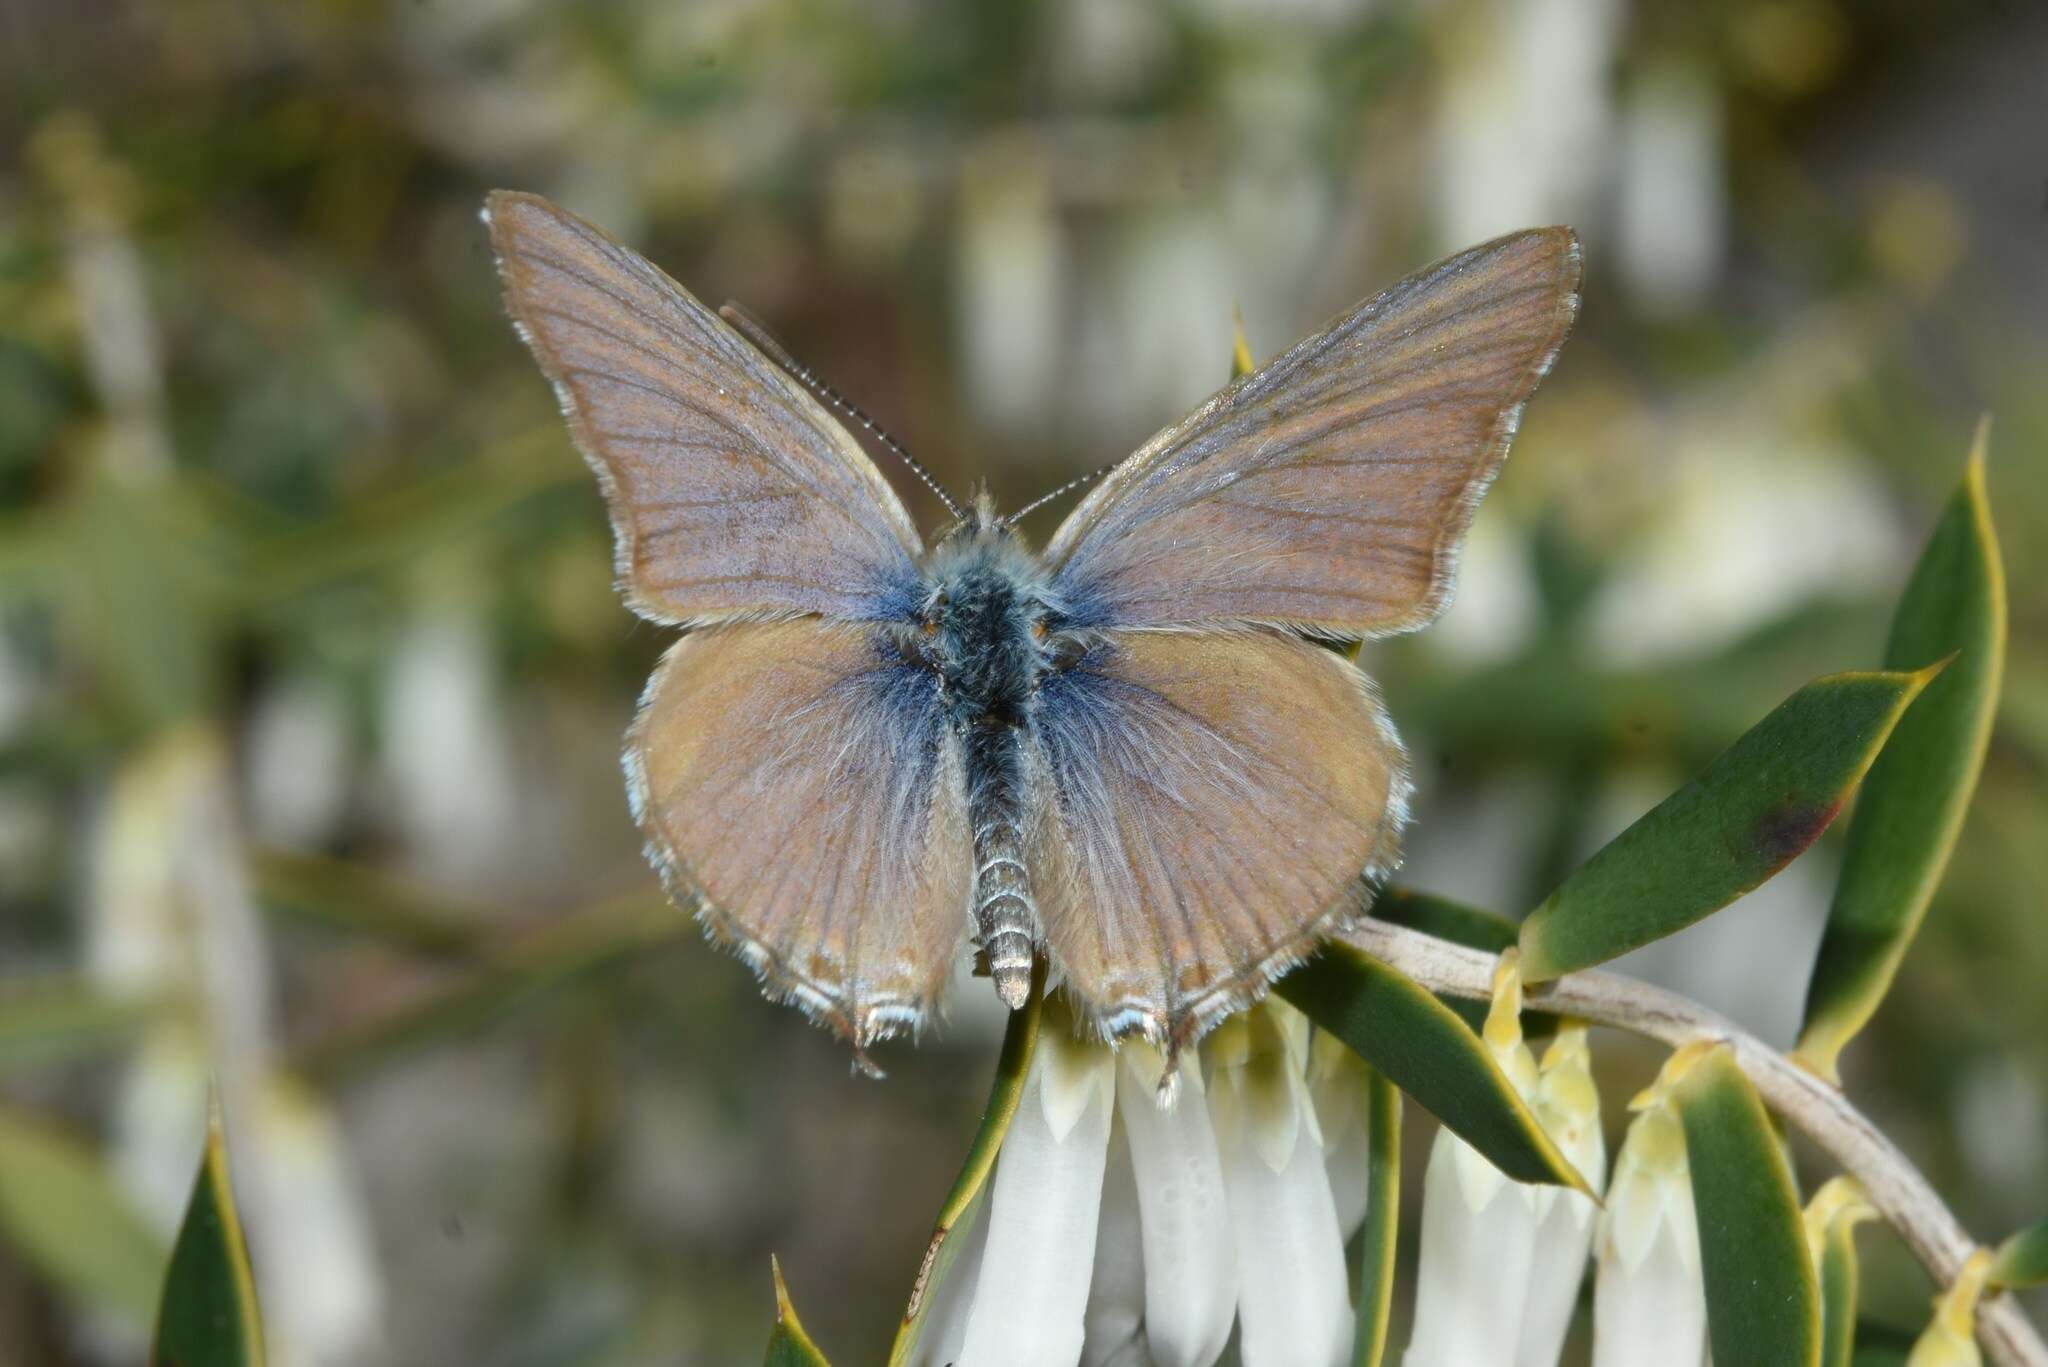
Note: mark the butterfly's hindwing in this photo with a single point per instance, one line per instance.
(1211, 803)
(799, 783)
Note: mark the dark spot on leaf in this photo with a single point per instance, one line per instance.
(1785, 830)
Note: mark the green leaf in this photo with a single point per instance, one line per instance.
(788, 1344)
(2022, 1260)
(208, 1316)
(1766, 799)
(1912, 805)
(1013, 1066)
(1382, 1222)
(60, 1210)
(1763, 1297)
(1461, 925)
(1831, 1220)
(1423, 1046)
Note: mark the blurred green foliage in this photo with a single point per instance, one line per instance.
(274, 473)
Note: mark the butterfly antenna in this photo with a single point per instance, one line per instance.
(1035, 504)
(750, 327)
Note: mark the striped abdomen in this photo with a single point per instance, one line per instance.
(1005, 913)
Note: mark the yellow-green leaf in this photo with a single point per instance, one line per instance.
(2022, 1260)
(1912, 805)
(1382, 1222)
(1763, 1296)
(1429, 1052)
(1013, 1066)
(788, 1344)
(61, 1212)
(1831, 1219)
(1754, 809)
(207, 1316)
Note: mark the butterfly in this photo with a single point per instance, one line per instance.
(1130, 752)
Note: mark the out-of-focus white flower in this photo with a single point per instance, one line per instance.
(1951, 1340)
(171, 916)
(1568, 1105)
(1649, 1297)
(297, 771)
(1672, 193)
(1130, 1224)
(446, 754)
(1478, 1227)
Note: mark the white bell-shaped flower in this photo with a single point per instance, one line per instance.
(1568, 1105)
(1293, 1307)
(1649, 1297)
(1190, 1276)
(1044, 1207)
(1478, 1227)
(1340, 1085)
(1113, 1324)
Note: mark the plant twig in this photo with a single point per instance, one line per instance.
(1895, 1187)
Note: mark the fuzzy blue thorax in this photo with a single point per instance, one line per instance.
(985, 623)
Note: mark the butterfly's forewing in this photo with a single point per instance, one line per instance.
(1209, 806)
(1329, 489)
(732, 491)
(799, 785)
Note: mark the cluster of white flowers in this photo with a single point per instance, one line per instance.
(1130, 1225)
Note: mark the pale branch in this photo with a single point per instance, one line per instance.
(1817, 1108)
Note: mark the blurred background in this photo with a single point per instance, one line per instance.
(312, 678)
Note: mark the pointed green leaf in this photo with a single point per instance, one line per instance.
(1382, 1222)
(1831, 1219)
(1912, 805)
(1461, 925)
(1763, 1297)
(1447, 920)
(60, 1211)
(1013, 1066)
(1423, 1046)
(1766, 799)
(788, 1344)
(207, 1316)
(2022, 1260)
